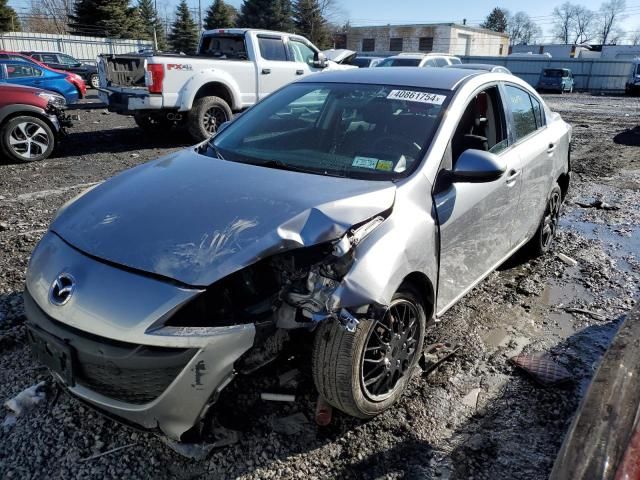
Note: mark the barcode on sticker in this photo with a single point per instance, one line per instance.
(412, 96)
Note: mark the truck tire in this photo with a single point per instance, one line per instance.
(365, 372)
(26, 139)
(206, 115)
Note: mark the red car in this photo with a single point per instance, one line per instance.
(31, 121)
(73, 78)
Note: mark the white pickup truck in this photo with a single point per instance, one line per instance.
(232, 70)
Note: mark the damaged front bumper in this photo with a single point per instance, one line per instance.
(108, 351)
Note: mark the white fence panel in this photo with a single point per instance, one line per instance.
(85, 49)
(594, 75)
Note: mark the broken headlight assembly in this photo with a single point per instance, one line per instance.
(292, 289)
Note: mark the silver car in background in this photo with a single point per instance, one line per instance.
(356, 206)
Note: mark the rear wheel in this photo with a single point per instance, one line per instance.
(206, 115)
(26, 139)
(365, 372)
(94, 80)
(542, 241)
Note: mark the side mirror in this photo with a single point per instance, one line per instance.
(476, 166)
(319, 60)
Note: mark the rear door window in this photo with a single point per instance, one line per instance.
(48, 58)
(16, 70)
(272, 48)
(538, 112)
(522, 112)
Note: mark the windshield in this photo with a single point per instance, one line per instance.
(361, 62)
(348, 130)
(400, 62)
(553, 73)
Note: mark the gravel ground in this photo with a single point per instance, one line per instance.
(512, 430)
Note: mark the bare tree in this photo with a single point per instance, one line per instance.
(564, 19)
(521, 29)
(610, 15)
(635, 38)
(584, 25)
(49, 16)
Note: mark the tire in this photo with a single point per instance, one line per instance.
(94, 80)
(206, 114)
(26, 139)
(338, 359)
(542, 240)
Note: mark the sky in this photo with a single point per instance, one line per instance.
(382, 12)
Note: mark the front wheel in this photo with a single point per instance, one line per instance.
(94, 80)
(26, 139)
(365, 372)
(542, 241)
(206, 115)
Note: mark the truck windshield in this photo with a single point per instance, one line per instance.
(226, 47)
(553, 73)
(348, 130)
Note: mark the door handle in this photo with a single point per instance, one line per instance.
(299, 72)
(266, 71)
(551, 148)
(512, 175)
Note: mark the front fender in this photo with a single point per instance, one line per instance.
(187, 93)
(403, 244)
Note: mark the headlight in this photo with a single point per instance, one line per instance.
(54, 99)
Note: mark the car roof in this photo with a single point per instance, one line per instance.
(475, 66)
(17, 60)
(436, 78)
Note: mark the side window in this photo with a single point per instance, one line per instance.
(16, 70)
(538, 112)
(48, 58)
(299, 52)
(430, 63)
(482, 125)
(67, 60)
(524, 119)
(272, 48)
(441, 62)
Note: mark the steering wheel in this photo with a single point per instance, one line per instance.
(395, 144)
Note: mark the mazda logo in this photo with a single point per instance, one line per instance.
(62, 289)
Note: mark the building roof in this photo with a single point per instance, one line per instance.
(422, 25)
(436, 78)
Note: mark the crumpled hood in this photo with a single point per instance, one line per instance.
(197, 219)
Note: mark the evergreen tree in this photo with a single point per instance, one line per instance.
(184, 30)
(110, 18)
(496, 20)
(149, 21)
(8, 19)
(266, 14)
(309, 22)
(220, 15)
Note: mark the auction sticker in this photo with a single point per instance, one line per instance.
(365, 162)
(420, 97)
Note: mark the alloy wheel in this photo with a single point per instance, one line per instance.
(213, 118)
(390, 350)
(551, 220)
(95, 81)
(28, 140)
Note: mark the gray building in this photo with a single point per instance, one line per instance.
(448, 38)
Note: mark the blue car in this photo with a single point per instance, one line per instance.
(32, 75)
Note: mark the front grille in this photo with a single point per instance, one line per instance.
(136, 386)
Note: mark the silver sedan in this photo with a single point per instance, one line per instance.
(353, 208)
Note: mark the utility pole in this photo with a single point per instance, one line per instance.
(199, 16)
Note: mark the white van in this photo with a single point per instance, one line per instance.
(633, 83)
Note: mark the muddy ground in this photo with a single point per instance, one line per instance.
(513, 429)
